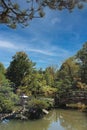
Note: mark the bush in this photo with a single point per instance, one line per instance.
(37, 103)
(5, 105)
(7, 99)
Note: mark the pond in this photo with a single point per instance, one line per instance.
(55, 120)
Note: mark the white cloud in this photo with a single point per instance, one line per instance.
(47, 49)
(6, 44)
(44, 52)
(55, 20)
(14, 47)
(48, 40)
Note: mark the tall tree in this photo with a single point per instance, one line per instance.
(82, 60)
(66, 75)
(20, 67)
(7, 97)
(21, 12)
(2, 68)
(50, 76)
(3, 79)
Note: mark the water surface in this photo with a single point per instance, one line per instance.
(55, 120)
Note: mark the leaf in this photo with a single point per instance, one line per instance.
(13, 26)
(16, 6)
(41, 13)
(80, 6)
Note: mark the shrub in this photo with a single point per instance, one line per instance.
(37, 103)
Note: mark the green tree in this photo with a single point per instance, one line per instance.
(50, 75)
(2, 68)
(33, 83)
(13, 12)
(71, 68)
(8, 99)
(82, 60)
(20, 67)
(67, 74)
(3, 79)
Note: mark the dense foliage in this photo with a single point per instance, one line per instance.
(20, 67)
(7, 98)
(21, 77)
(82, 60)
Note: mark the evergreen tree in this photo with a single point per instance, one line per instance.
(20, 67)
(13, 12)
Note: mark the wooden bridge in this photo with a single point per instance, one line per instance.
(72, 97)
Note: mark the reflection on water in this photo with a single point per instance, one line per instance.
(56, 120)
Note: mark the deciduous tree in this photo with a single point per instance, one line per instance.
(82, 60)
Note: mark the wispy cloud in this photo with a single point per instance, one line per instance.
(47, 49)
(44, 52)
(6, 44)
(55, 20)
(11, 46)
(51, 39)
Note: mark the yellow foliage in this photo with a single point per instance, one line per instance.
(81, 85)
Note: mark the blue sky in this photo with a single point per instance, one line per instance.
(47, 41)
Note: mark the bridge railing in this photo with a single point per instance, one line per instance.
(73, 96)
